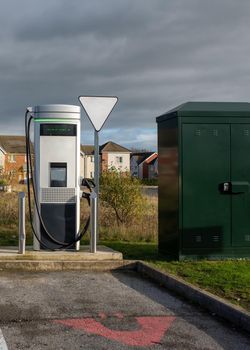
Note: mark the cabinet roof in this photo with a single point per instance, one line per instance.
(208, 109)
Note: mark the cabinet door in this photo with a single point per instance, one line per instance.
(205, 164)
(240, 163)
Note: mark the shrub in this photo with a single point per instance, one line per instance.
(8, 208)
(122, 193)
(5, 178)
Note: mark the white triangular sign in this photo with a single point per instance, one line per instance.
(98, 108)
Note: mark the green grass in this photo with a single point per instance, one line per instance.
(229, 279)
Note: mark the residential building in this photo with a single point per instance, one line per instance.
(111, 154)
(153, 168)
(115, 156)
(87, 167)
(144, 165)
(13, 156)
(2, 158)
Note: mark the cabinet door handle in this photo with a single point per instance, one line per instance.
(227, 188)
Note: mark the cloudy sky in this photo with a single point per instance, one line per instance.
(152, 54)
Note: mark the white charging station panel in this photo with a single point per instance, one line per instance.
(57, 173)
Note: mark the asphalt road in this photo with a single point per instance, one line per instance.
(119, 310)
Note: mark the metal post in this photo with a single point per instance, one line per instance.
(22, 234)
(97, 171)
(93, 221)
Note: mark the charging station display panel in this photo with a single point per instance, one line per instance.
(58, 174)
(57, 129)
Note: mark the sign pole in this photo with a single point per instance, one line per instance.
(97, 108)
(97, 180)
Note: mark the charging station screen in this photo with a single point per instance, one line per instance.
(58, 130)
(58, 174)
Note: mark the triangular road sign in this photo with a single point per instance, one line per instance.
(98, 108)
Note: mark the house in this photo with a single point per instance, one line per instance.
(111, 154)
(13, 156)
(144, 165)
(114, 156)
(87, 167)
(2, 158)
(153, 168)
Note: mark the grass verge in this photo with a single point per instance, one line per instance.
(229, 279)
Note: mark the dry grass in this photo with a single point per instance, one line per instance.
(141, 229)
(8, 208)
(9, 219)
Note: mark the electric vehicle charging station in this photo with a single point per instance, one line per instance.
(57, 176)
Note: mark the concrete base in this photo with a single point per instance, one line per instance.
(103, 254)
(105, 259)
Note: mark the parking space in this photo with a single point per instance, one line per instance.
(119, 310)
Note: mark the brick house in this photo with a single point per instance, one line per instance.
(144, 165)
(153, 168)
(13, 157)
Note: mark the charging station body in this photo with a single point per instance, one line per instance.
(57, 174)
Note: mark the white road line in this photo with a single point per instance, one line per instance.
(3, 345)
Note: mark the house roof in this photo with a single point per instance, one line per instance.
(2, 150)
(141, 156)
(152, 161)
(208, 109)
(113, 147)
(13, 144)
(88, 149)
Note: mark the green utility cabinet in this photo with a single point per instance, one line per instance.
(204, 180)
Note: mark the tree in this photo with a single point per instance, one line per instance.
(122, 193)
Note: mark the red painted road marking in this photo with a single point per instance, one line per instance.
(152, 329)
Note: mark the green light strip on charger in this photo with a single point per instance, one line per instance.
(53, 120)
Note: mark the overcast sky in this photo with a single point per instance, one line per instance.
(152, 54)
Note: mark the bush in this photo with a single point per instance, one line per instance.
(8, 208)
(122, 193)
(5, 178)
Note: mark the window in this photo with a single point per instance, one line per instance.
(12, 158)
(119, 159)
(92, 159)
(91, 175)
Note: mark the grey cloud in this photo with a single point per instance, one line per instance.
(95, 18)
(152, 54)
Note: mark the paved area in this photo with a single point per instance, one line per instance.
(119, 310)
